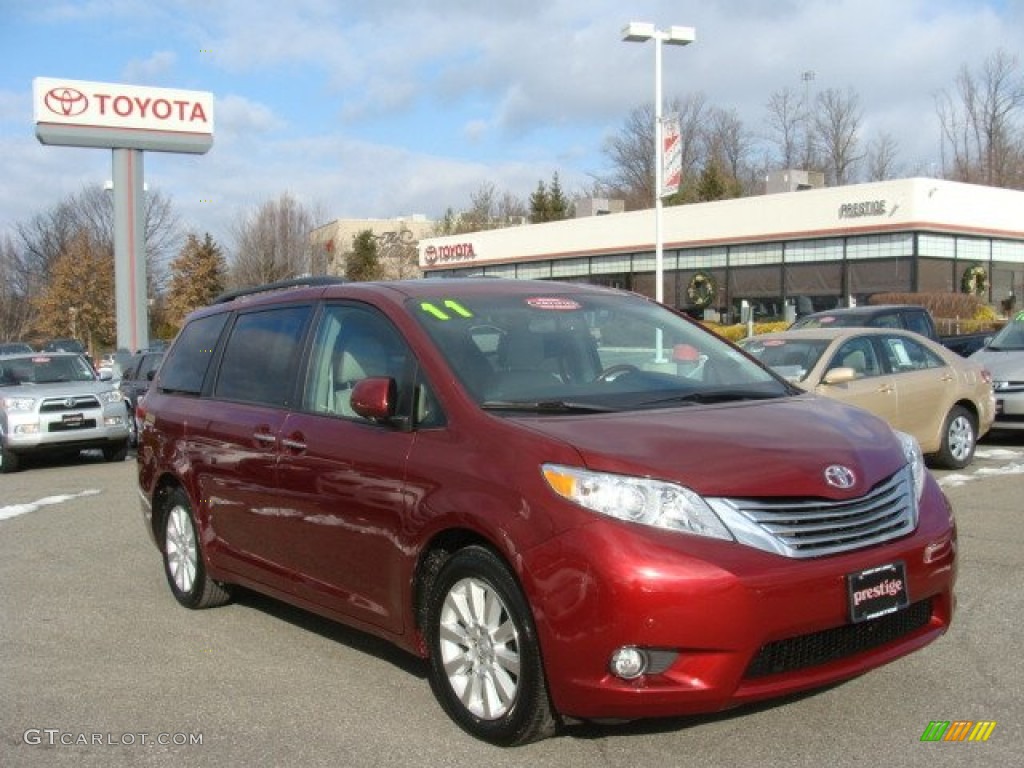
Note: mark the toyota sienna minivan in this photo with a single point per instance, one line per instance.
(571, 501)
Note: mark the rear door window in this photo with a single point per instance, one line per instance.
(261, 356)
(189, 358)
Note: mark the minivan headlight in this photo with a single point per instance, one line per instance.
(636, 500)
(21, 404)
(915, 460)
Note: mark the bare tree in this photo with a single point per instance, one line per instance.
(488, 209)
(15, 293)
(728, 143)
(632, 155)
(982, 135)
(49, 236)
(787, 126)
(836, 125)
(881, 158)
(272, 244)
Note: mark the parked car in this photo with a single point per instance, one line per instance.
(15, 348)
(571, 500)
(1004, 357)
(55, 403)
(910, 317)
(136, 375)
(918, 386)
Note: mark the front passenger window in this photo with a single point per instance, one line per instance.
(351, 344)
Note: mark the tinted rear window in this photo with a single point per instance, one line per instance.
(190, 356)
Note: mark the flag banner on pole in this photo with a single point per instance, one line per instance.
(671, 156)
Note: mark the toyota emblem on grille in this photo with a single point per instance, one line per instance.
(839, 476)
(69, 402)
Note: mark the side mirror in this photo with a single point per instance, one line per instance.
(839, 376)
(375, 398)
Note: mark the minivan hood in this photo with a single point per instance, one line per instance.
(752, 448)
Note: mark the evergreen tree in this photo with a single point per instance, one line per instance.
(363, 262)
(198, 276)
(539, 204)
(558, 206)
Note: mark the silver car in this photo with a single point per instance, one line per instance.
(55, 403)
(1004, 358)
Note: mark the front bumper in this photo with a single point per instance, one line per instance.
(1009, 410)
(737, 624)
(35, 433)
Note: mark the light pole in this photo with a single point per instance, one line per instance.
(641, 32)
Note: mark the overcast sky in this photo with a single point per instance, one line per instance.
(374, 109)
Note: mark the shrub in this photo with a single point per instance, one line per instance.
(739, 330)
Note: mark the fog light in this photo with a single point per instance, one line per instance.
(113, 421)
(628, 663)
(26, 429)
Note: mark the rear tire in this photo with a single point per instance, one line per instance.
(485, 664)
(959, 439)
(183, 557)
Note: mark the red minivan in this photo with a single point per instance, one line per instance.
(570, 500)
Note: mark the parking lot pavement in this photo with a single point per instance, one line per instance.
(997, 454)
(93, 647)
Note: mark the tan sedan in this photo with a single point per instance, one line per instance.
(918, 386)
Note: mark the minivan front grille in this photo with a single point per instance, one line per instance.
(809, 527)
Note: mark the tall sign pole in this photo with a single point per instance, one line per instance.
(128, 120)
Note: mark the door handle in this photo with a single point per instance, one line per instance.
(292, 444)
(264, 437)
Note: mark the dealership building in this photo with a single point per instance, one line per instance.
(810, 249)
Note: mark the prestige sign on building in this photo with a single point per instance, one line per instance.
(86, 114)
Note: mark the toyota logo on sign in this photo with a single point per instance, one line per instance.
(67, 102)
(839, 476)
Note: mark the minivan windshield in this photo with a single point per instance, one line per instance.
(585, 352)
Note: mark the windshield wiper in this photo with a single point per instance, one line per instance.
(545, 406)
(713, 396)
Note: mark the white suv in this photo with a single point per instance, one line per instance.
(54, 402)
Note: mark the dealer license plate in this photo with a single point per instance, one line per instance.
(877, 591)
(72, 420)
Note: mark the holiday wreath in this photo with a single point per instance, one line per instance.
(974, 280)
(701, 290)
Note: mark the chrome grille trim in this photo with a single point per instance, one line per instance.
(804, 527)
(78, 403)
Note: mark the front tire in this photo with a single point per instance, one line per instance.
(959, 439)
(485, 664)
(183, 557)
(116, 452)
(8, 460)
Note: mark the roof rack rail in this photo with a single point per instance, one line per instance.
(296, 282)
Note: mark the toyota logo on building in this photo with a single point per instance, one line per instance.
(67, 102)
(430, 253)
(839, 476)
